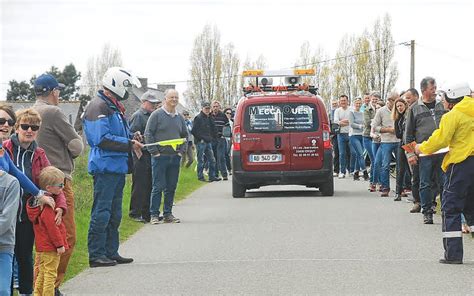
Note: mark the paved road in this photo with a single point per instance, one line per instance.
(285, 241)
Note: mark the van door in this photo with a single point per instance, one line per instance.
(306, 137)
(264, 144)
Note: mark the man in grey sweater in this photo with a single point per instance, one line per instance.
(62, 144)
(341, 117)
(165, 124)
(384, 124)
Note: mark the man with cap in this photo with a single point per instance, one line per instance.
(455, 132)
(62, 144)
(204, 131)
(141, 174)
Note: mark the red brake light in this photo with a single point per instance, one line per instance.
(326, 136)
(236, 138)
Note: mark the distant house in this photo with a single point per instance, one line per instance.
(69, 108)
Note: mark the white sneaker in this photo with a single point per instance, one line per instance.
(342, 176)
(334, 174)
(155, 220)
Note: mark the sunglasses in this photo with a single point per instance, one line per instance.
(230, 113)
(25, 127)
(60, 185)
(11, 122)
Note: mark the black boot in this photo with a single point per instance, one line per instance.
(356, 176)
(366, 176)
(428, 218)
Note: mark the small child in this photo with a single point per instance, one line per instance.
(50, 236)
(9, 200)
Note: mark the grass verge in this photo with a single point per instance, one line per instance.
(83, 190)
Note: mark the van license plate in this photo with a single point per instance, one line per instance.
(265, 157)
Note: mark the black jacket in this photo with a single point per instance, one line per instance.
(400, 128)
(203, 128)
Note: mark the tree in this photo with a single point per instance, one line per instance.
(385, 69)
(20, 91)
(344, 68)
(363, 64)
(230, 75)
(69, 77)
(206, 67)
(97, 66)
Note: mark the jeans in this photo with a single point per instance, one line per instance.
(227, 154)
(188, 158)
(205, 149)
(342, 142)
(219, 147)
(430, 180)
(165, 172)
(106, 215)
(375, 167)
(387, 149)
(403, 171)
(141, 187)
(6, 265)
(357, 147)
(367, 142)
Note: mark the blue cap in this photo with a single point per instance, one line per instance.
(46, 83)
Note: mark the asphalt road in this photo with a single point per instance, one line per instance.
(285, 240)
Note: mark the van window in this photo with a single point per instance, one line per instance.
(282, 117)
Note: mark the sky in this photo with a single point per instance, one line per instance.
(156, 37)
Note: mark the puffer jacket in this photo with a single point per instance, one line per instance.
(108, 135)
(456, 131)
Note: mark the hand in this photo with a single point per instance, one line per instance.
(46, 200)
(138, 136)
(137, 145)
(417, 149)
(390, 130)
(59, 216)
(413, 160)
(61, 250)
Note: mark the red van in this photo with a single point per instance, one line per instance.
(281, 139)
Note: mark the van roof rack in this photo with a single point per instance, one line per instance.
(264, 81)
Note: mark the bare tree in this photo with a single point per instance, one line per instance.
(344, 68)
(206, 67)
(363, 64)
(96, 67)
(385, 69)
(230, 75)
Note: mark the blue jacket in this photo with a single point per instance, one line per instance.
(109, 136)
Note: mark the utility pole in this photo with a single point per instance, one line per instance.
(412, 64)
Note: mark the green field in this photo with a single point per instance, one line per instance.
(83, 198)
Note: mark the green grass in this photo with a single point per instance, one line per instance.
(83, 191)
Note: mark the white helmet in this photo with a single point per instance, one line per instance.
(456, 92)
(119, 81)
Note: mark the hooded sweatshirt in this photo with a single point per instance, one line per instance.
(48, 235)
(456, 131)
(9, 197)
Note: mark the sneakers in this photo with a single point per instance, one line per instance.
(341, 176)
(171, 219)
(356, 176)
(225, 178)
(138, 219)
(372, 187)
(366, 176)
(416, 208)
(428, 218)
(398, 197)
(155, 220)
(334, 174)
(385, 193)
(446, 261)
(214, 179)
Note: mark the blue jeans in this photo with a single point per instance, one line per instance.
(367, 142)
(106, 215)
(165, 172)
(430, 180)
(387, 149)
(356, 144)
(342, 142)
(219, 146)
(6, 265)
(205, 149)
(375, 166)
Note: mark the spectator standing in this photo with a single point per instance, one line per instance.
(62, 145)
(341, 117)
(203, 132)
(228, 138)
(334, 132)
(423, 119)
(356, 120)
(188, 156)
(7, 122)
(365, 102)
(141, 174)
(375, 167)
(369, 114)
(455, 132)
(384, 124)
(219, 142)
(111, 142)
(165, 124)
(50, 234)
(403, 171)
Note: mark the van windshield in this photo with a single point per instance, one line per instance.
(282, 117)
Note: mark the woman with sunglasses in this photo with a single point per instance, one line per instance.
(7, 121)
(30, 159)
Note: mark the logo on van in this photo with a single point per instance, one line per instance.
(265, 110)
(299, 110)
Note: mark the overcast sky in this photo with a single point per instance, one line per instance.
(156, 37)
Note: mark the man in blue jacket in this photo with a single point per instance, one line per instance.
(111, 142)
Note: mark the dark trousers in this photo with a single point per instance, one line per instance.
(141, 187)
(336, 153)
(24, 240)
(219, 148)
(403, 171)
(227, 154)
(458, 197)
(415, 184)
(431, 177)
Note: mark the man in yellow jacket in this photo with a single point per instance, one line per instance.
(456, 131)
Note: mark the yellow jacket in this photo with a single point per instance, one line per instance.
(456, 131)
